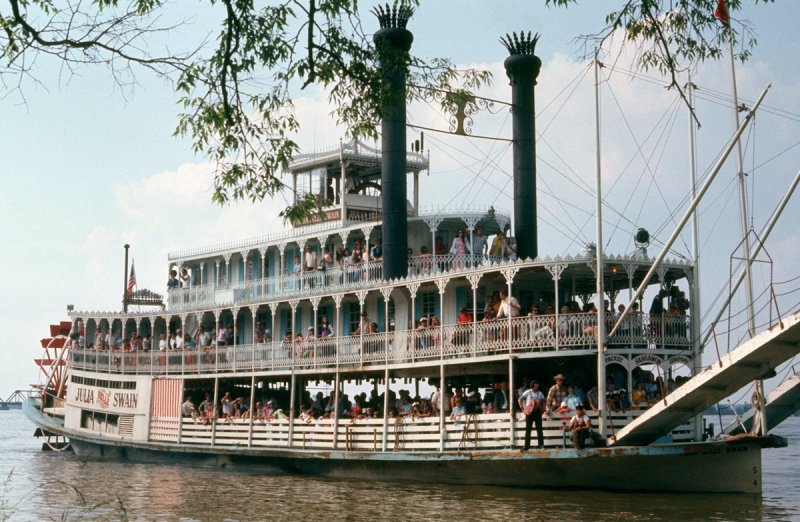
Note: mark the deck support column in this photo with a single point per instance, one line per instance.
(291, 407)
(252, 413)
(512, 400)
(336, 412)
(214, 411)
(442, 398)
(384, 440)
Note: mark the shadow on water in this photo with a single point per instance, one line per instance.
(46, 484)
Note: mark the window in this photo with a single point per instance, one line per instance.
(390, 320)
(428, 301)
(353, 317)
(481, 294)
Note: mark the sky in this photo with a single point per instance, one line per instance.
(88, 166)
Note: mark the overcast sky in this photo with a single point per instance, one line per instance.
(87, 166)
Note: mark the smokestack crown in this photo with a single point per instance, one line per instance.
(393, 21)
(521, 60)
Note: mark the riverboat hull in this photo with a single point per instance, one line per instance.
(731, 466)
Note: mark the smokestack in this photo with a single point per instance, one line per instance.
(393, 42)
(522, 68)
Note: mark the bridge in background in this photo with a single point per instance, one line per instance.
(14, 401)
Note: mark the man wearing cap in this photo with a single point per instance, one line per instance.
(580, 426)
(556, 393)
(531, 402)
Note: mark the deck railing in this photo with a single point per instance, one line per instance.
(310, 282)
(483, 431)
(519, 335)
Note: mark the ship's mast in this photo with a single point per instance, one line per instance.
(694, 290)
(758, 427)
(601, 309)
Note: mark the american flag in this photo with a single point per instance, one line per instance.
(721, 13)
(166, 398)
(131, 281)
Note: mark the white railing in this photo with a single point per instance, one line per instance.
(315, 281)
(519, 335)
(483, 431)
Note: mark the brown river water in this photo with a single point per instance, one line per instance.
(46, 486)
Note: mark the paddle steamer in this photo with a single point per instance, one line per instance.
(125, 401)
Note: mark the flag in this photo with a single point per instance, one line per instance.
(131, 281)
(721, 13)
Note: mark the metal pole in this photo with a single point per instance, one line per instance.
(759, 428)
(601, 312)
(694, 291)
(125, 282)
(703, 189)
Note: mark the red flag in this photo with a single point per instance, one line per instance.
(721, 13)
(131, 281)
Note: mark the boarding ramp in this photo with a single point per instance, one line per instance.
(782, 403)
(749, 361)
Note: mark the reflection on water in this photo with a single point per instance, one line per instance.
(45, 485)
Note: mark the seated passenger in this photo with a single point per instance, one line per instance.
(639, 395)
(570, 402)
(580, 426)
(188, 409)
(458, 411)
(623, 402)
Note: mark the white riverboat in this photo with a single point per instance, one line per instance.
(245, 331)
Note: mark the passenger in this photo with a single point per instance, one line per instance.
(425, 408)
(207, 408)
(651, 388)
(228, 405)
(305, 416)
(185, 280)
(458, 411)
(440, 401)
(473, 402)
(260, 411)
(188, 409)
(376, 253)
(439, 248)
(579, 391)
(222, 334)
(580, 426)
(325, 329)
(501, 403)
(459, 250)
(461, 334)
(425, 260)
(639, 395)
(623, 403)
(593, 397)
(532, 403)
(570, 402)
(478, 247)
(309, 259)
(364, 324)
(556, 394)
(435, 328)
(258, 332)
(172, 280)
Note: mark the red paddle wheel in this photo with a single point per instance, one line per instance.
(52, 387)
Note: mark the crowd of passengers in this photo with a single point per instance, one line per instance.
(574, 320)
(367, 258)
(563, 401)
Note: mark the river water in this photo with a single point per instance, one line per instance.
(43, 485)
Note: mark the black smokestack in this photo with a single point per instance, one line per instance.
(522, 68)
(393, 42)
